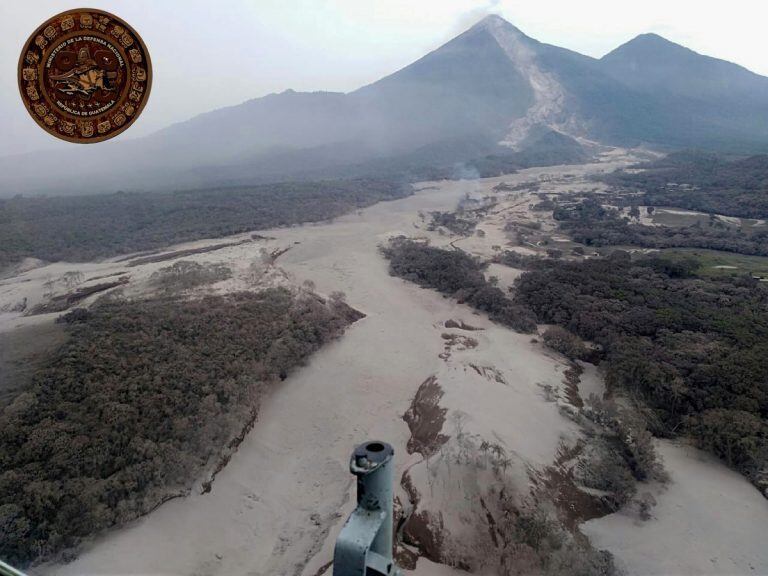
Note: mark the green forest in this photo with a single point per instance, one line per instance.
(140, 401)
(82, 228)
(692, 349)
(701, 181)
(590, 223)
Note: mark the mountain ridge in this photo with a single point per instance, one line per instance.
(491, 83)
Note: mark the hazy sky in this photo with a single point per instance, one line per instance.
(212, 53)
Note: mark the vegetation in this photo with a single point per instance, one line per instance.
(604, 468)
(625, 456)
(98, 440)
(468, 157)
(544, 205)
(712, 263)
(568, 344)
(542, 147)
(520, 261)
(62, 302)
(186, 274)
(532, 540)
(22, 352)
(457, 274)
(590, 223)
(693, 349)
(451, 222)
(78, 228)
(510, 534)
(730, 187)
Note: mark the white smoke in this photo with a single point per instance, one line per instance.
(473, 16)
(468, 180)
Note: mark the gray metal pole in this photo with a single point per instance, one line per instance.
(372, 464)
(364, 546)
(7, 570)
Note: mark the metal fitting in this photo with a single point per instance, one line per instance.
(364, 546)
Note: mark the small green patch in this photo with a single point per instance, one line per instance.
(713, 263)
(678, 218)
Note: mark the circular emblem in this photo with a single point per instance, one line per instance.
(85, 75)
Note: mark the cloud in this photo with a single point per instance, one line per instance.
(471, 17)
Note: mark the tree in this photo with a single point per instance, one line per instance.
(565, 342)
(142, 398)
(738, 437)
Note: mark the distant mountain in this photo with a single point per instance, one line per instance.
(705, 102)
(467, 88)
(486, 92)
(652, 64)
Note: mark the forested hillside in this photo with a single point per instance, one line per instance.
(81, 228)
(139, 402)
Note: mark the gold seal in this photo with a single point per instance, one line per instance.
(84, 75)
